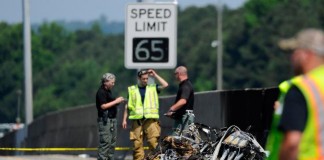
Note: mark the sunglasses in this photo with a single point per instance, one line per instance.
(140, 73)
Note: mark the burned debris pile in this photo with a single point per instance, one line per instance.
(200, 142)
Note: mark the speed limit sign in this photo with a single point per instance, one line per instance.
(151, 35)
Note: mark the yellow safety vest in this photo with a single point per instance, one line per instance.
(275, 136)
(311, 85)
(150, 108)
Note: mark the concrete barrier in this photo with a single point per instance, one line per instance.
(77, 127)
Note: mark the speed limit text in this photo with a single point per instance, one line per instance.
(158, 15)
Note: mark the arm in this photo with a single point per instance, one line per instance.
(124, 124)
(185, 94)
(112, 103)
(289, 146)
(178, 105)
(163, 83)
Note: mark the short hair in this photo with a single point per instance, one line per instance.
(182, 70)
(107, 77)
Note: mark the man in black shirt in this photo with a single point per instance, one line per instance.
(182, 109)
(107, 123)
(294, 114)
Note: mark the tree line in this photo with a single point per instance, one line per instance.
(67, 65)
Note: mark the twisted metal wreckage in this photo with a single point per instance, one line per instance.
(200, 142)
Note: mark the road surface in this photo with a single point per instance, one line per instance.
(47, 157)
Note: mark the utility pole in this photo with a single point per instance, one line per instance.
(27, 64)
(219, 47)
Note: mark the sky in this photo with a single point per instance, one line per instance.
(85, 10)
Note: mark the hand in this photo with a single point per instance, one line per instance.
(124, 124)
(151, 72)
(120, 99)
(170, 113)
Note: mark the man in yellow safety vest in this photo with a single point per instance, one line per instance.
(143, 109)
(301, 122)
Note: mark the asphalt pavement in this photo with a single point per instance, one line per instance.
(48, 157)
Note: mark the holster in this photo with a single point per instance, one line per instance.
(105, 116)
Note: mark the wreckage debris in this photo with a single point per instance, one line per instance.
(200, 142)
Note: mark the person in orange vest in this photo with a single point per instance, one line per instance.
(302, 118)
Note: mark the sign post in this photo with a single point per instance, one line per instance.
(151, 35)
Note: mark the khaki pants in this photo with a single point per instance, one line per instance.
(148, 128)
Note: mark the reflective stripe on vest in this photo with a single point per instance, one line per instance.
(150, 109)
(312, 87)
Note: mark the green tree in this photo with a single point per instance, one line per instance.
(67, 66)
(11, 69)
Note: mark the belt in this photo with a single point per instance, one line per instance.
(189, 111)
(141, 121)
(102, 118)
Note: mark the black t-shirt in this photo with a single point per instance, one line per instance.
(294, 115)
(186, 92)
(104, 96)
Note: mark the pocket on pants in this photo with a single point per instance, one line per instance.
(154, 129)
(135, 132)
(104, 136)
(132, 135)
